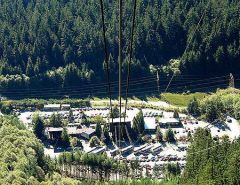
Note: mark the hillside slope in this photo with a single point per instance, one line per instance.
(59, 43)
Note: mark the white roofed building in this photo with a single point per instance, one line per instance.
(169, 122)
(150, 124)
(52, 107)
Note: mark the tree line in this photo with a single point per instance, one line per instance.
(212, 161)
(217, 106)
(10, 106)
(59, 43)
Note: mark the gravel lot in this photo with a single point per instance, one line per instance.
(232, 129)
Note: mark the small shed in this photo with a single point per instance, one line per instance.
(65, 107)
(54, 133)
(169, 122)
(85, 133)
(52, 107)
(125, 127)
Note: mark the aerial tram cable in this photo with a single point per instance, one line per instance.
(129, 66)
(130, 56)
(120, 68)
(106, 57)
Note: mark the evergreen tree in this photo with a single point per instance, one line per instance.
(94, 141)
(29, 68)
(140, 121)
(213, 162)
(176, 114)
(159, 135)
(169, 135)
(115, 112)
(65, 140)
(38, 126)
(55, 120)
(56, 53)
(98, 130)
(189, 136)
(135, 126)
(138, 125)
(106, 135)
(70, 116)
(193, 107)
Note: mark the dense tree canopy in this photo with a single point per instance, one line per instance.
(38, 126)
(55, 120)
(212, 162)
(217, 106)
(59, 43)
(22, 159)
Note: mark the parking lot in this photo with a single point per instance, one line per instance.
(150, 155)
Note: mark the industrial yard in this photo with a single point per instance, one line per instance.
(150, 153)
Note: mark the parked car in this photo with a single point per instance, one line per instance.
(229, 120)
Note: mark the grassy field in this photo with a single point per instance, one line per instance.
(181, 100)
(174, 99)
(178, 100)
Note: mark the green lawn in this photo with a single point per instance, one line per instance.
(181, 99)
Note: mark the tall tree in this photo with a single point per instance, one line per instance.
(38, 126)
(106, 134)
(55, 120)
(98, 130)
(169, 135)
(65, 140)
(176, 114)
(193, 107)
(140, 121)
(159, 134)
(115, 112)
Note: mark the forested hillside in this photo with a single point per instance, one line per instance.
(22, 159)
(59, 43)
(212, 161)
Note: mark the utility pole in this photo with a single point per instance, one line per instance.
(158, 78)
(231, 81)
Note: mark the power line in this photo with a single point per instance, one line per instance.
(134, 90)
(169, 83)
(114, 83)
(153, 92)
(206, 79)
(141, 82)
(202, 17)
